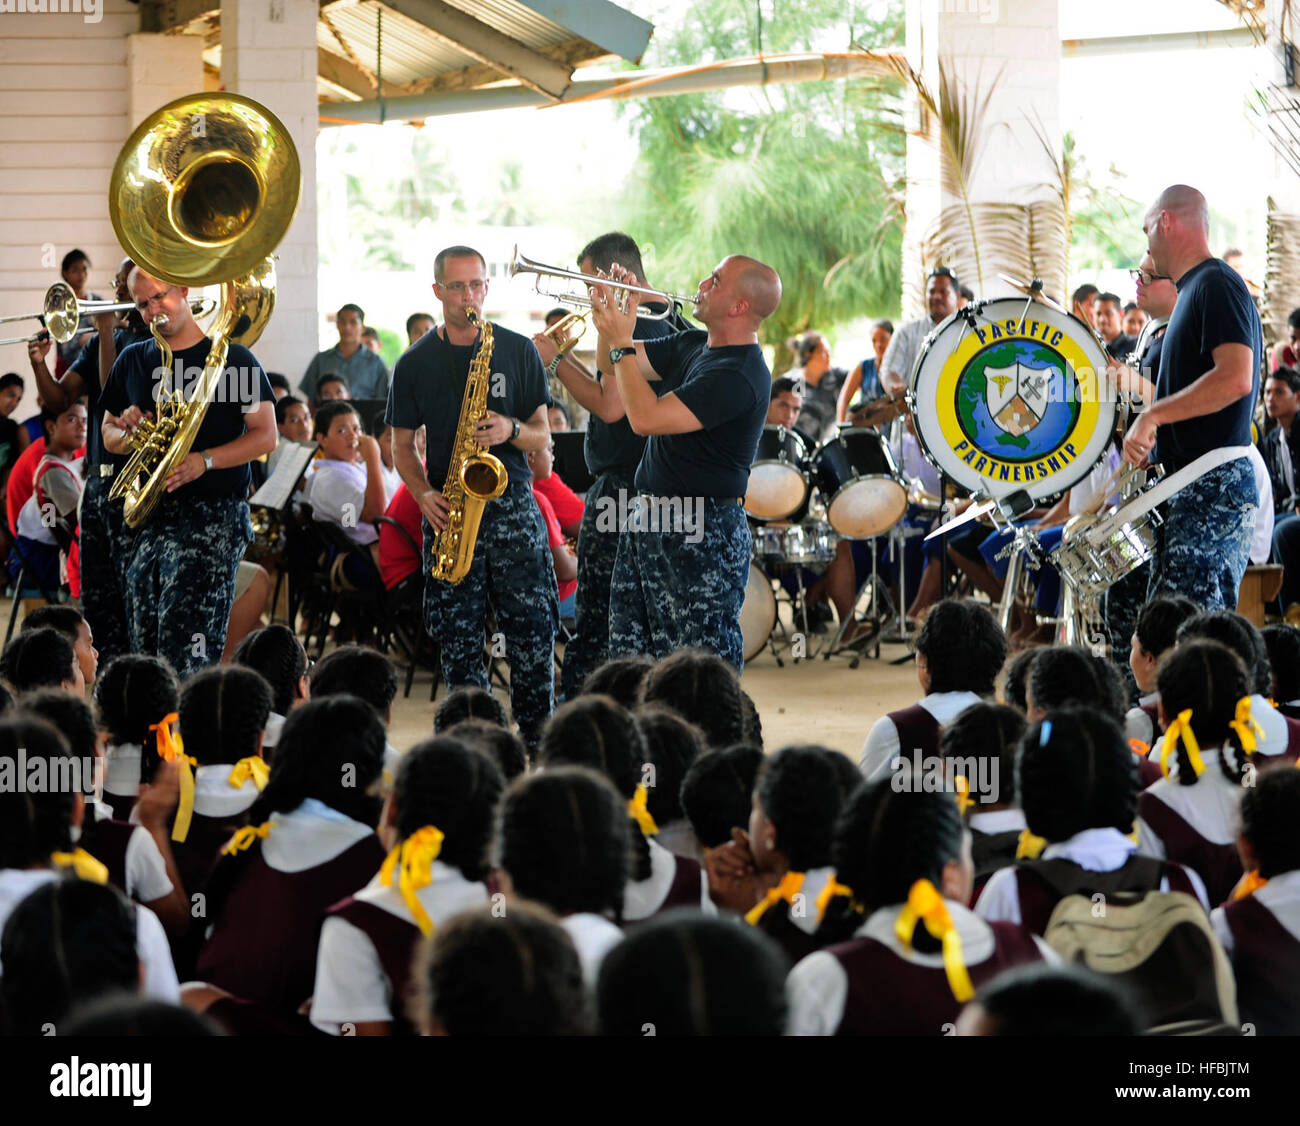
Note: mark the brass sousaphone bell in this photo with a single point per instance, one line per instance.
(202, 192)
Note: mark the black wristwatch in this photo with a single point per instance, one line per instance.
(515, 433)
(616, 354)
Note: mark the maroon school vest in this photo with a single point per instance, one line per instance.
(890, 996)
(395, 941)
(1217, 864)
(917, 730)
(120, 804)
(1038, 898)
(108, 846)
(197, 854)
(1292, 751)
(777, 925)
(687, 888)
(1291, 711)
(264, 946)
(1266, 963)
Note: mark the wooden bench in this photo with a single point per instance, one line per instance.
(1259, 587)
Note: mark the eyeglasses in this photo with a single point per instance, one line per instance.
(1142, 277)
(160, 296)
(476, 286)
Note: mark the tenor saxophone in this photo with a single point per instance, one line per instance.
(474, 476)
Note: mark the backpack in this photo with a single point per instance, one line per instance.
(1158, 945)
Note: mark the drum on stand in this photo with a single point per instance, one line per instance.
(779, 479)
(757, 612)
(809, 543)
(865, 494)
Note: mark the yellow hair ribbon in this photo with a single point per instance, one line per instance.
(964, 801)
(166, 740)
(786, 890)
(925, 905)
(245, 837)
(833, 890)
(1246, 726)
(85, 866)
(415, 855)
(171, 749)
(638, 809)
(254, 767)
(1029, 846)
(1182, 728)
(1139, 748)
(1249, 884)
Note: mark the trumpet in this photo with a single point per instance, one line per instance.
(519, 264)
(61, 313)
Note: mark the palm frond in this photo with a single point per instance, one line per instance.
(1282, 271)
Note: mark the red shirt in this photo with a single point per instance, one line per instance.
(554, 538)
(22, 480)
(397, 559)
(565, 503)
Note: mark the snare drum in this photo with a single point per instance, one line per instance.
(1094, 555)
(779, 478)
(757, 612)
(769, 541)
(865, 493)
(813, 542)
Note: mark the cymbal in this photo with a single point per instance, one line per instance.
(974, 512)
(1033, 289)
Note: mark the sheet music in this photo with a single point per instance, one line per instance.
(289, 468)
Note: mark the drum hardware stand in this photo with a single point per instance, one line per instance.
(782, 595)
(879, 595)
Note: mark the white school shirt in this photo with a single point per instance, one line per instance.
(817, 989)
(350, 981)
(122, 769)
(593, 937)
(310, 835)
(1096, 850)
(997, 820)
(1271, 721)
(146, 870)
(62, 487)
(1281, 895)
(271, 732)
(1137, 724)
(215, 797)
(337, 493)
(642, 898)
(1084, 493)
(881, 747)
(16, 884)
(1209, 806)
(392, 482)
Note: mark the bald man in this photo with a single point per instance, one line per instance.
(1206, 388)
(682, 564)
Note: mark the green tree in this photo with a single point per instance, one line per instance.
(805, 177)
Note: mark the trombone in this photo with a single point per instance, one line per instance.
(61, 313)
(521, 264)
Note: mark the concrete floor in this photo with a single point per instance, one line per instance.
(812, 701)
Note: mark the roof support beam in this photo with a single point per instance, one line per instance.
(175, 15)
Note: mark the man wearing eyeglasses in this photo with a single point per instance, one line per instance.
(180, 580)
(362, 370)
(512, 573)
(1205, 393)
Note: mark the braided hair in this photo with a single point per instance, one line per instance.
(1069, 674)
(469, 701)
(516, 974)
(984, 738)
(501, 745)
(691, 975)
(67, 942)
(1159, 620)
(801, 792)
(717, 792)
(331, 749)
(963, 646)
(132, 692)
(565, 838)
(619, 677)
(72, 718)
(33, 823)
(39, 658)
(1015, 676)
(884, 841)
(1270, 811)
(278, 655)
(354, 670)
(703, 689)
(448, 783)
(1283, 645)
(223, 712)
(1074, 772)
(1238, 634)
(672, 745)
(1208, 679)
(595, 732)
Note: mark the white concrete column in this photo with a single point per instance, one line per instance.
(159, 69)
(1014, 48)
(268, 53)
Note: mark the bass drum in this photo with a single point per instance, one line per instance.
(779, 478)
(757, 612)
(1012, 394)
(864, 492)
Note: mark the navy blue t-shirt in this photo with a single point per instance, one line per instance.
(86, 365)
(428, 388)
(615, 446)
(1214, 307)
(134, 381)
(727, 389)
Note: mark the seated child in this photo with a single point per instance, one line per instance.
(347, 488)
